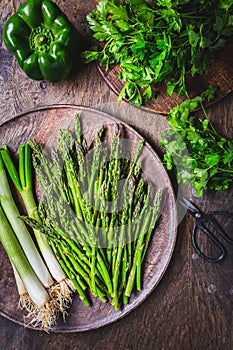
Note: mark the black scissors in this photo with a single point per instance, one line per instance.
(207, 218)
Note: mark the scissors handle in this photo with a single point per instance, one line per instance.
(213, 239)
(211, 217)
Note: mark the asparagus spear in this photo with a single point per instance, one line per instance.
(101, 248)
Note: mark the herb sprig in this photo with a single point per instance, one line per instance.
(194, 149)
(158, 41)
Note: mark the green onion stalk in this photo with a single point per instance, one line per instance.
(48, 270)
(42, 309)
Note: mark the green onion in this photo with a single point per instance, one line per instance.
(40, 296)
(20, 229)
(24, 184)
(42, 310)
(20, 262)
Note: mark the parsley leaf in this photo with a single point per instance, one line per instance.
(194, 150)
(164, 40)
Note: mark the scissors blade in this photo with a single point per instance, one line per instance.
(190, 206)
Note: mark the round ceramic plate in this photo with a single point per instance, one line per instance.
(220, 74)
(42, 125)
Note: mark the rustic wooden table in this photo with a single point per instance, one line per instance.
(191, 308)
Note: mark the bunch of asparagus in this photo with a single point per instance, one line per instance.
(98, 212)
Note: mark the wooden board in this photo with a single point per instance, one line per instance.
(42, 125)
(220, 74)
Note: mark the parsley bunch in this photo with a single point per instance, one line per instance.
(158, 41)
(195, 151)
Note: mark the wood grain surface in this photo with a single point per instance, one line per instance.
(191, 308)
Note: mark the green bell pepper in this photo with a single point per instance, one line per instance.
(42, 39)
